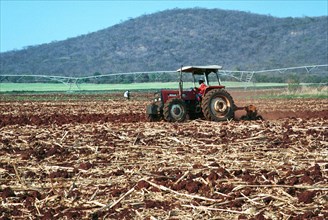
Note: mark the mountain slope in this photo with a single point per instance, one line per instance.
(168, 39)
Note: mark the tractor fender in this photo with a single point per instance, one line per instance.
(209, 88)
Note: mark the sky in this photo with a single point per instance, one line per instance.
(25, 23)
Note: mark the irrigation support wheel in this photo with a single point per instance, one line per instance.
(218, 105)
(175, 110)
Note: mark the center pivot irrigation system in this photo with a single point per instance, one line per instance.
(241, 76)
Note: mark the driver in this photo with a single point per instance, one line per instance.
(201, 90)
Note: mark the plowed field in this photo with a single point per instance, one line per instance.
(87, 159)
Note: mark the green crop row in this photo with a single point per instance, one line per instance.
(55, 87)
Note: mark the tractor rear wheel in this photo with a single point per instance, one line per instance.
(175, 110)
(218, 105)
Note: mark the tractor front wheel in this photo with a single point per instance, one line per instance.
(218, 105)
(175, 110)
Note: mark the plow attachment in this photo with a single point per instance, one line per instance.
(251, 113)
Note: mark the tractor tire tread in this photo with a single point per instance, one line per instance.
(166, 110)
(206, 105)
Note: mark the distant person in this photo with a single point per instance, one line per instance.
(127, 94)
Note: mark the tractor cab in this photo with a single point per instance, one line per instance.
(201, 73)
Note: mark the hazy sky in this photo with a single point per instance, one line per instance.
(32, 22)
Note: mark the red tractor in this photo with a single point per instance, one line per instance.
(214, 104)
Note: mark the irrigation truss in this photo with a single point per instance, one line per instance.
(241, 76)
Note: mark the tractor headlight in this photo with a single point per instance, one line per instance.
(157, 97)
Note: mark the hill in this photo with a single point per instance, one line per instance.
(168, 39)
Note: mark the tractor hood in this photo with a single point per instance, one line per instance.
(200, 69)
